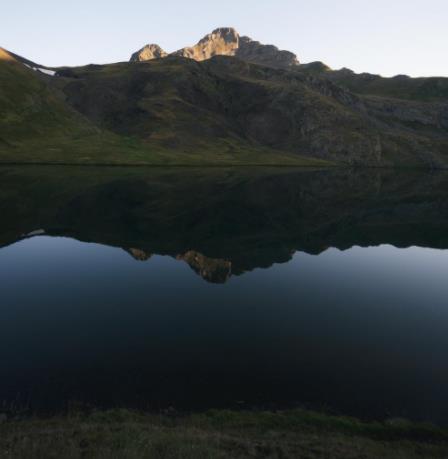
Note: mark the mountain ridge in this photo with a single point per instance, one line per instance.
(224, 41)
(226, 101)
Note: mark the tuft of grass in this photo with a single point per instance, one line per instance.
(218, 434)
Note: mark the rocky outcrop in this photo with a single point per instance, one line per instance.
(148, 53)
(225, 41)
(221, 42)
(269, 55)
(315, 67)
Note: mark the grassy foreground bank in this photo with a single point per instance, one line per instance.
(218, 434)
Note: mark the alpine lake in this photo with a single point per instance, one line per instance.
(190, 289)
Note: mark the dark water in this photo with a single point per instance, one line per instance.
(225, 288)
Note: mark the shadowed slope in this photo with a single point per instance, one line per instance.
(29, 110)
(220, 111)
(227, 105)
(37, 125)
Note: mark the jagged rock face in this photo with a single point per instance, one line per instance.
(226, 41)
(257, 53)
(148, 53)
(221, 42)
(315, 67)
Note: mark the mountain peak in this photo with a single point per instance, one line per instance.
(148, 52)
(226, 41)
(223, 41)
(226, 32)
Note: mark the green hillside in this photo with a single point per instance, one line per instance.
(37, 125)
(222, 111)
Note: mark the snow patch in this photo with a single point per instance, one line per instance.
(41, 70)
(47, 72)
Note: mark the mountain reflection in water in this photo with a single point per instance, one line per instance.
(226, 222)
(224, 288)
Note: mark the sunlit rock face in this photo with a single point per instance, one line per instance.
(225, 41)
(221, 42)
(5, 55)
(148, 53)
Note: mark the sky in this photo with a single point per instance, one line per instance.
(386, 37)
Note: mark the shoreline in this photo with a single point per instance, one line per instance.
(331, 166)
(220, 434)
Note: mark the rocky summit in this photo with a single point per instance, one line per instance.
(148, 53)
(225, 41)
(221, 42)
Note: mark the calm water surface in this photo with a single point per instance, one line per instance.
(225, 288)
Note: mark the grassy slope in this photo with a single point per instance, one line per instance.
(37, 126)
(219, 434)
(220, 112)
(227, 105)
(218, 105)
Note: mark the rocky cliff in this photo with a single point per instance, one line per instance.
(269, 55)
(221, 42)
(148, 53)
(225, 41)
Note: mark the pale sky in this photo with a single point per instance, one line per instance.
(388, 37)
